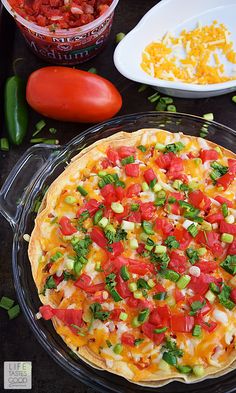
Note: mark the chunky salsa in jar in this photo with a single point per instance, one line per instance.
(60, 14)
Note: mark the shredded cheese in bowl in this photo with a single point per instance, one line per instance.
(197, 56)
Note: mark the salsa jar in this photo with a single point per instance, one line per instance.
(67, 46)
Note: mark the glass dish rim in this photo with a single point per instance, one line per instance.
(48, 346)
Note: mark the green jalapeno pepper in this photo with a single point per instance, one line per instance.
(16, 111)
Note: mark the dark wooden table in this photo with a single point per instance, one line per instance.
(18, 342)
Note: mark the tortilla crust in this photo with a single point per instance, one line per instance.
(77, 164)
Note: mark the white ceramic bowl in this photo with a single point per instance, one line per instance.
(173, 16)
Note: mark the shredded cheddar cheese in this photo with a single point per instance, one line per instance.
(203, 49)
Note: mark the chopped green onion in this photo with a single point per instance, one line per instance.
(161, 106)
(214, 288)
(143, 237)
(98, 267)
(152, 183)
(127, 225)
(227, 238)
(224, 209)
(197, 331)
(119, 37)
(196, 306)
(229, 219)
(98, 216)
(151, 283)
(6, 303)
(115, 295)
(118, 348)
(109, 344)
(39, 126)
(167, 100)
(184, 369)
(142, 148)
(210, 297)
(175, 147)
(134, 207)
(204, 131)
(45, 140)
(14, 312)
(4, 144)
(143, 315)
(198, 370)
(70, 200)
(82, 191)
(56, 256)
(138, 341)
(132, 286)
(52, 130)
(154, 97)
(124, 273)
(135, 322)
(171, 242)
(234, 99)
(202, 251)
(224, 297)
(145, 186)
(147, 227)
(160, 249)
(92, 70)
(208, 116)
(77, 267)
(138, 294)
(170, 358)
(142, 88)
(170, 301)
(103, 222)
(160, 330)
(133, 243)
(123, 316)
(183, 281)
(171, 275)
(171, 108)
(157, 187)
(229, 264)
(160, 296)
(192, 229)
(117, 207)
(127, 160)
(110, 228)
(160, 146)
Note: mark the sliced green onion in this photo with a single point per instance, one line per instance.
(171, 275)
(98, 216)
(176, 184)
(167, 100)
(160, 330)
(92, 70)
(4, 144)
(123, 316)
(160, 146)
(138, 294)
(115, 295)
(45, 140)
(132, 286)
(109, 344)
(171, 108)
(160, 296)
(183, 281)
(170, 358)
(214, 288)
(197, 331)
(151, 283)
(127, 160)
(204, 131)
(198, 370)
(157, 187)
(152, 183)
(143, 315)
(52, 130)
(138, 341)
(56, 256)
(133, 243)
(227, 238)
(142, 88)
(39, 126)
(147, 227)
(124, 273)
(170, 300)
(224, 209)
(103, 222)
(210, 296)
(135, 322)
(154, 97)
(134, 207)
(77, 267)
(110, 228)
(234, 99)
(127, 225)
(161, 106)
(142, 148)
(117, 207)
(119, 37)
(70, 200)
(14, 312)
(229, 219)
(160, 249)
(98, 266)
(143, 237)
(192, 229)
(6, 303)
(118, 348)
(202, 251)
(82, 191)
(208, 116)
(184, 369)
(145, 186)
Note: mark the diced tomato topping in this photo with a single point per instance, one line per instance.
(47, 312)
(205, 309)
(135, 217)
(159, 288)
(199, 200)
(175, 169)
(58, 279)
(112, 156)
(148, 330)
(208, 155)
(147, 210)
(132, 302)
(98, 237)
(144, 303)
(232, 165)
(154, 317)
(165, 314)
(207, 266)
(183, 237)
(233, 295)
(164, 160)
(182, 323)
(215, 217)
(120, 216)
(211, 240)
(95, 288)
(132, 170)
(209, 326)
(68, 316)
(120, 193)
(179, 296)
(109, 193)
(126, 151)
(227, 228)
(140, 268)
(225, 180)
(117, 248)
(222, 200)
(66, 227)
(178, 262)
(149, 175)
(128, 339)
(115, 314)
(122, 288)
(92, 206)
(200, 284)
(232, 248)
(163, 225)
(105, 164)
(83, 281)
(133, 190)
(141, 248)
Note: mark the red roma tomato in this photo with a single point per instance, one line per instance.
(67, 94)
(67, 228)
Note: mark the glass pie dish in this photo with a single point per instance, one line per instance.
(26, 185)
